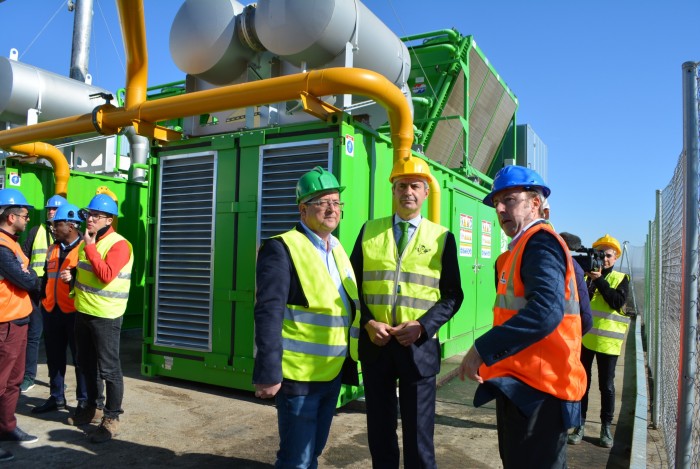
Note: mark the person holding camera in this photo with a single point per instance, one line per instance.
(608, 291)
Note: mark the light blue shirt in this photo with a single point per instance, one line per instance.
(329, 261)
(412, 227)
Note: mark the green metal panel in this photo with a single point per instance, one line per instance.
(37, 184)
(362, 159)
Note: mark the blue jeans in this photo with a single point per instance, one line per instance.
(59, 335)
(304, 423)
(97, 341)
(36, 327)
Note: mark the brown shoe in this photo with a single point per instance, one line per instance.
(106, 431)
(85, 415)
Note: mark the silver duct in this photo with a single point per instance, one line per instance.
(82, 30)
(140, 146)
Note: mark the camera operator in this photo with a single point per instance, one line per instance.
(574, 244)
(608, 292)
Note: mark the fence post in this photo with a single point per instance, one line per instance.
(657, 317)
(689, 283)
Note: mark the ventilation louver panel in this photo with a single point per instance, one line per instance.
(281, 167)
(184, 252)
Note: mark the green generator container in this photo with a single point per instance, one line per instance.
(36, 182)
(215, 198)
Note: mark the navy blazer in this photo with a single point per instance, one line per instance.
(425, 352)
(276, 285)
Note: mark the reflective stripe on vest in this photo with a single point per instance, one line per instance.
(94, 297)
(551, 365)
(399, 289)
(316, 339)
(14, 302)
(39, 250)
(609, 325)
(57, 291)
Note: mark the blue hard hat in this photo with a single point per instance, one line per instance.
(516, 176)
(55, 201)
(10, 197)
(103, 203)
(67, 212)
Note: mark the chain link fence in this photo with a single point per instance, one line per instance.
(666, 330)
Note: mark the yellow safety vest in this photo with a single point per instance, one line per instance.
(40, 247)
(609, 325)
(399, 289)
(96, 298)
(316, 338)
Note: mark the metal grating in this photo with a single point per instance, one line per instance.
(447, 143)
(184, 253)
(491, 109)
(281, 166)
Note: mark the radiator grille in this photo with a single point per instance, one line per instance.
(184, 251)
(281, 166)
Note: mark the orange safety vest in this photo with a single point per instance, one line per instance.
(14, 302)
(553, 364)
(57, 291)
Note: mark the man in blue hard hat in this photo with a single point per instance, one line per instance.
(305, 322)
(39, 238)
(529, 362)
(102, 283)
(58, 308)
(16, 281)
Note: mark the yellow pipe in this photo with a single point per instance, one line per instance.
(317, 83)
(58, 161)
(434, 201)
(131, 16)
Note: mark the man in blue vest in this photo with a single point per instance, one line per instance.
(39, 238)
(410, 286)
(305, 333)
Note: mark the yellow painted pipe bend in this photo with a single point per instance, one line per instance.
(316, 83)
(272, 90)
(58, 161)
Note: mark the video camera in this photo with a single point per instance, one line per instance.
(589, 259)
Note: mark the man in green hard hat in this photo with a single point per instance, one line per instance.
(305, 323)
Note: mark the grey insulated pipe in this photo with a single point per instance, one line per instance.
(82, 30)
(140, 146)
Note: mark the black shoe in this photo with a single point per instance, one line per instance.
(6, 455)
(51, 404)
(18, 436)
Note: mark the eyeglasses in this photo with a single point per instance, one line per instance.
(94, 215)
(607, 255)
(324, 204)
(26, 217)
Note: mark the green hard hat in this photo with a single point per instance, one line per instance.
(315, 181)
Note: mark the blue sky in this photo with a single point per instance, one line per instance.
(599, 82)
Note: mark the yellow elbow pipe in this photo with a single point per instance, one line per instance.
(58, 161)
(131, 16)
(434, 201)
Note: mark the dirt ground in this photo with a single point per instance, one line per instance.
(178, 424)
(173, 423)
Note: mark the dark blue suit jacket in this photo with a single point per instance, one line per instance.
(425, 352)
(276, 285)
